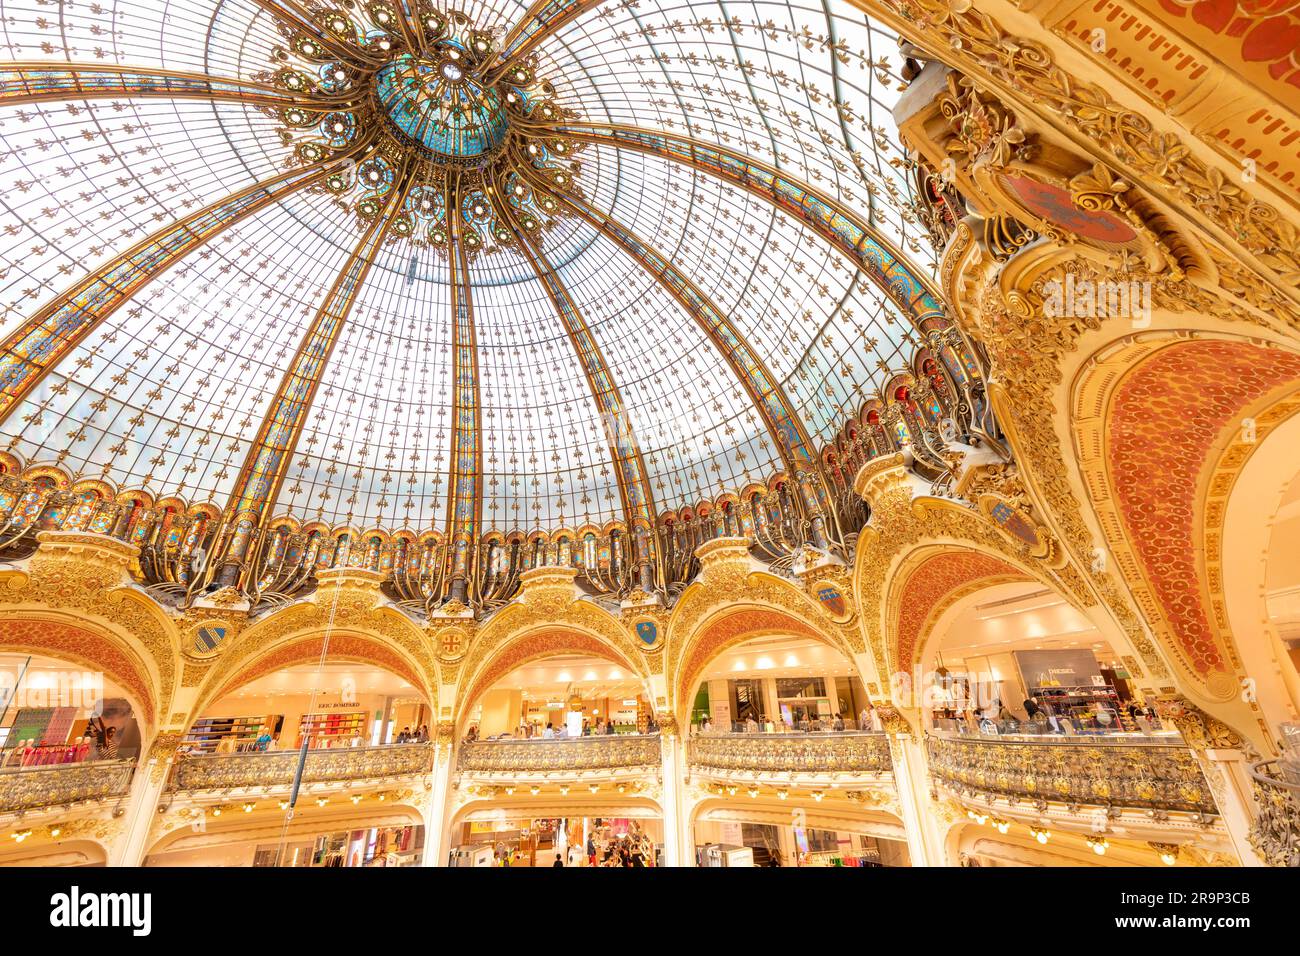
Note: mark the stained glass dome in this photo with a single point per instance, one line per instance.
(683, 246)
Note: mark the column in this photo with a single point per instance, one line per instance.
(436, 842)
(1235, 798)
(911, 778)
(678, 845)
(142, 800)
(720, 705)
(770, 705)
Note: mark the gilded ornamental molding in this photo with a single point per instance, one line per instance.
(31, 788)
(229, 771)
(546, 756)
(843, 753)
(1074, 771)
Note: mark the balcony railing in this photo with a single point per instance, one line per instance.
(539, 755)
(1275, 833)
(1095, 771)
(850, 752)
(30, 788)
(230, 771)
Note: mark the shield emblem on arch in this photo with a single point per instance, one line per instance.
(832, 599)
(648, 631)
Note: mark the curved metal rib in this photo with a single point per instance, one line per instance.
(464, 499)
(266, 463)
(543, 19)
(764, 390)
(36, 346)
(25, 82)
(633, 480)
(858, 241)
(295, 16)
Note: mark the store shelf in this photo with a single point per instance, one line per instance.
(208, 732)
(333, 729)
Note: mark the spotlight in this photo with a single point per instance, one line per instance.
(817, 795)
(1002, 826)
(1041, 835)
(248, 807)
(753, 792)
(1168, 852)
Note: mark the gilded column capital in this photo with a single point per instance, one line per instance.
(880, 476)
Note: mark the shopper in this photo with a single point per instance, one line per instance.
(706, 726)
(751, 725)
(609, 728)
(1031, 708)
(839, 724)
(559, 860)
(549, 732)
(1049, 713)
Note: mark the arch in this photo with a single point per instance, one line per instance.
(602, 804)
(927, 582)
(1152, 433)
(86, 646)
(536, 644)
(305, 649)
(74, 851)
(354, 615)
(268, 828)
(729, 627)
(876, 821)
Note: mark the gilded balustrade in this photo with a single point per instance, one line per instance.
(1122, 773)
(30, 788)
(613, 752)
(1275, 834)
(832, 753)
(231, 771)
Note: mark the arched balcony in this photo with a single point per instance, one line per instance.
(69, 738)
(349, 725)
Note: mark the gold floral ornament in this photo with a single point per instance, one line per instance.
(984, 130)
(384, 88)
